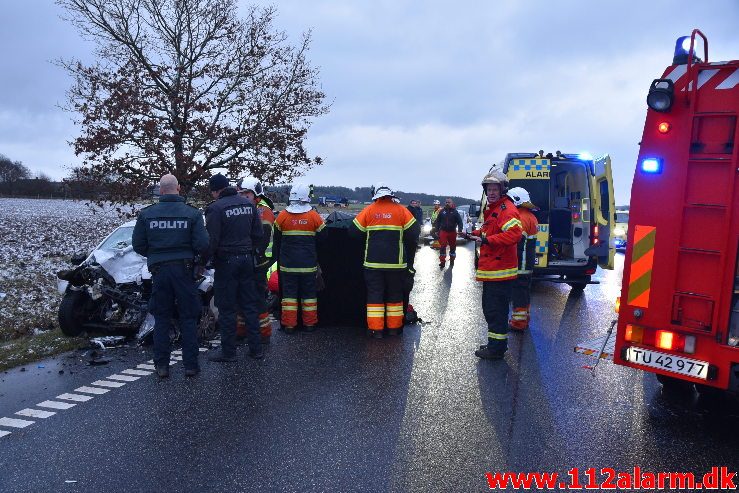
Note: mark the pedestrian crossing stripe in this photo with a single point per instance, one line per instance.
(642, 260)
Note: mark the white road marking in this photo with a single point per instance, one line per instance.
(150, 362)
(74, 397)
(35, 413)
(176, 358)
(56, 405)
(147, 367)
(179, 351)
(15, 423)
(92, 390)
(123, 378)
(139, 373)
(108, 383)
(3, 433)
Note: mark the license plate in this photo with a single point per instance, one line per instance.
(668, 362)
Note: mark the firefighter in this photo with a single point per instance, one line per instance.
(521, 295)
(498, 238)
(448, 222)
(389, 232)
(252, 189)
(295, 242)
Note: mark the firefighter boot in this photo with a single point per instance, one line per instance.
(486, 353)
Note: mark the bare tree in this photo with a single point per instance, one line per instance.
(11, 172)
(189, 87)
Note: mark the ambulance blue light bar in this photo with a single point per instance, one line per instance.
(585, 156)
(651, 165)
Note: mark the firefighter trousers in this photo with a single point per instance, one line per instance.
(496, 297)
(521, 300)
(234, 291)
(447, 238)
(299, 289)
(385, 298)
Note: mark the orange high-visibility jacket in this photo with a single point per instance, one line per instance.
(501, 233)
(386, 225)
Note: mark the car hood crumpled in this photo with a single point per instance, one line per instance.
(124, 265)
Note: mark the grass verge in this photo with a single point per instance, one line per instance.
(33, 348)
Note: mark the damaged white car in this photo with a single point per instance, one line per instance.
(108, 292)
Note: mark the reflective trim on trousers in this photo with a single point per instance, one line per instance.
(497, 337)
(375, 316)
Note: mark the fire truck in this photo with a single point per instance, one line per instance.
(679, 306)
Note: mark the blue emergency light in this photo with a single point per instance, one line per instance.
(651, 165)
(585, 156)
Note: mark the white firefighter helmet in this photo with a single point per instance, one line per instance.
(300, 195)
(436, 202)
(249, 183)
(300, 192)
(495, 177)
(381, 190)
(521, 198)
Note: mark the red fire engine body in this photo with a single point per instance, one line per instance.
(679, 305)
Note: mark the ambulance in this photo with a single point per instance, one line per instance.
(678, 314)
(576, 212)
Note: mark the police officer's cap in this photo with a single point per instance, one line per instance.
(218, 182)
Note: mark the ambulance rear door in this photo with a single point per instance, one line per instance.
(532, 174)
(604, 212)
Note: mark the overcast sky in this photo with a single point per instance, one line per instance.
(425, 95)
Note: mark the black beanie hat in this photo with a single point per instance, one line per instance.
(218, 182)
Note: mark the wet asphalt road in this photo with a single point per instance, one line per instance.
(335, 411)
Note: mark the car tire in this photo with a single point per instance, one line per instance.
(71, 313)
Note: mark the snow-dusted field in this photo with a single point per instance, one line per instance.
(37, 238)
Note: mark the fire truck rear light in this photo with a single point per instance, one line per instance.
(689, 344)
(651, 165)
(664, 127)
(665, 339)
(618, 304)
(634, 333)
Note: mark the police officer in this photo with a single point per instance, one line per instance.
(235, 231)
(170, 234)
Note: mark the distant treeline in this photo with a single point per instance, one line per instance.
(363, 194)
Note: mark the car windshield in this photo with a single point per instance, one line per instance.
(120, 239)
(622, 217)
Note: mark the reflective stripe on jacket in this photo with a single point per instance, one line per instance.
(501, 233)
(387, 226)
